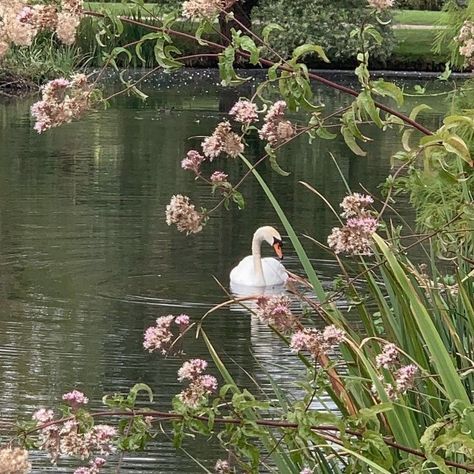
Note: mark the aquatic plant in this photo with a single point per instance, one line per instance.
(402, 379)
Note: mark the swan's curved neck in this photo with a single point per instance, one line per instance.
(257, 258)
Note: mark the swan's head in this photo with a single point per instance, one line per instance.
(272, 237)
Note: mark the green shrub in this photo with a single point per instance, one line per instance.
(327, 23)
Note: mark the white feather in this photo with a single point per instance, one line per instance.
(254, 271)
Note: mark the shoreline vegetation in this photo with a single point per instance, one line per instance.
(414, 33)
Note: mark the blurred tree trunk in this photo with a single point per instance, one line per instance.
(242, 10)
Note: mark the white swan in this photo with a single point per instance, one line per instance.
(254, 271)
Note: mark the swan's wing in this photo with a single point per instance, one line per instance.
(275, 273)
(243, 273)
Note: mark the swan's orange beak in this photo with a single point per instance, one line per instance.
(278, 251)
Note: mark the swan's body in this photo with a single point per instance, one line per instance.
(254, 271)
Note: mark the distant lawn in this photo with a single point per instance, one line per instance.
(415, 44)
(417, 17)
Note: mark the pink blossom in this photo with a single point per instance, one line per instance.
(405, 378)
(306, 470)
(244, 112)
(310, 340)
(199, 9)
(159, 337)
(275, 311)
(182, 320)
(388, 356)
(275, 129)
(381, 4)
(465, 40)
(43, 415)
(208, 383)
(222, 140)
(191, 369)
(200, 385)
(75, 398)
(333, 335)
(218, 177)
(62, 101)
(94, 467)
(354, 204)
(14, 461)
(183, 214)
(192, 161)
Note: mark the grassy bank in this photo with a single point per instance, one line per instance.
(417, 17)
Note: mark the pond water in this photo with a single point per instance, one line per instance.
(87, 261)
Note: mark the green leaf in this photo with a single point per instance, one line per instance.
(416, 110)
(325, 134)
(273, 161)
(238, 199)
(351, 142)
(388, 89)
(455, 144)
(309, 48)
(246, 44)
(136, 389)
(369, 106)
(427, 329)
(269, 28)
(373, 411)
(119, 50)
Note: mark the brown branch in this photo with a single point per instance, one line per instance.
(266, 62)
(167, 416)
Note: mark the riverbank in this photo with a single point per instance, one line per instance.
(414, 34)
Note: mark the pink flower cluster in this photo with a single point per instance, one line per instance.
(183, 214)
(218, 177)
(14, 461)
(275, 310)
(355, 204)
(62, 101)
(75, 399)
(70, 439)
(315, 341)
(94, 467)
(20, 22)
(381, 4)
(192, 161)
(222, 140)
(198, 9)
(306, 470)
(466, 42)
(405, 375)
(388, 357)
(355, 237)
(244, 112)
(161, 337)
(276, 129)
(200, 385)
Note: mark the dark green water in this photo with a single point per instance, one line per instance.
(87, 261)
